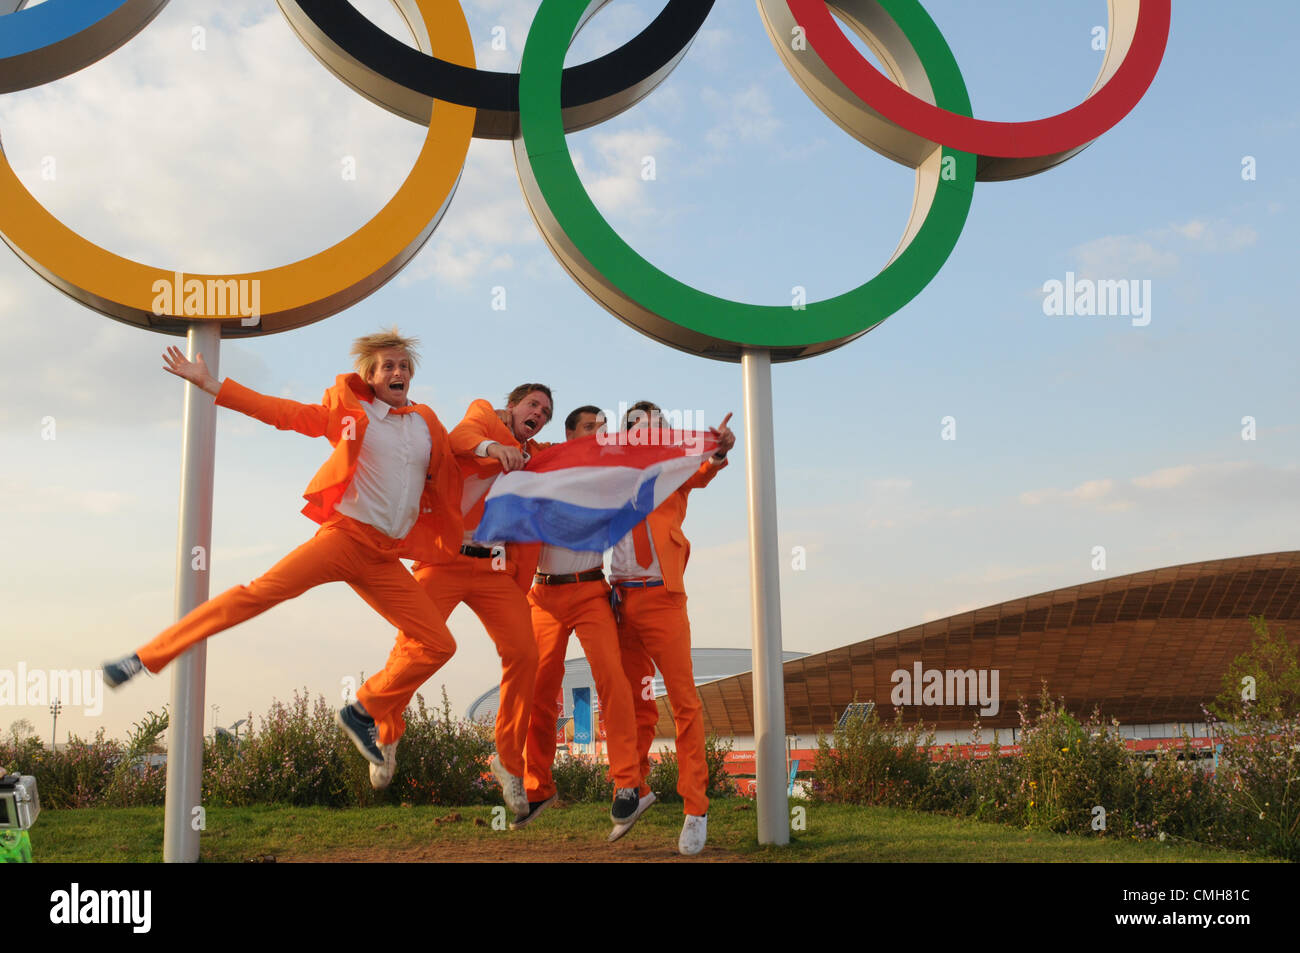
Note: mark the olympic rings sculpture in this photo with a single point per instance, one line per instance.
(919, 116)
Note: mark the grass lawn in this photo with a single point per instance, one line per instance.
(576, 833)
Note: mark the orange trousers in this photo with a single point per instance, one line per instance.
(653, 631)
(343, 550)
(581, 607)
(503, 609)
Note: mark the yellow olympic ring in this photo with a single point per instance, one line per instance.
(291, 295)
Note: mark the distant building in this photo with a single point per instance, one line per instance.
(707, 664)
(1148, 649)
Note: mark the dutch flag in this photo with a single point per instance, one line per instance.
(587, 494)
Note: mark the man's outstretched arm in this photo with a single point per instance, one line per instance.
(195, 371)
(309, 419)
(710, 467)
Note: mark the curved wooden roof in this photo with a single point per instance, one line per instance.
(1146, 648)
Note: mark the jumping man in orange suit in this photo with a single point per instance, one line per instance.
(492, 580)
(647, 571)
(570, 594)
(390, 490)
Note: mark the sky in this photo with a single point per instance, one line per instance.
(971, 449)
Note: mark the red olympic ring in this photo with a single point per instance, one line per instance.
(1066, 132)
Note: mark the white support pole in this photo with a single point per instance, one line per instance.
(765, 600)
(194, 549)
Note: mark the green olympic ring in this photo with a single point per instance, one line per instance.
(676, 314)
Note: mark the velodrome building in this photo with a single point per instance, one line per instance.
(1148, 649)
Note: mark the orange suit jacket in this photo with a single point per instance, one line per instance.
(341, 419)
(482, 423)
(665, 527)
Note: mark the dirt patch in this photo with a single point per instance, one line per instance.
(504, 849)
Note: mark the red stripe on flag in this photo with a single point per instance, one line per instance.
(618, 451)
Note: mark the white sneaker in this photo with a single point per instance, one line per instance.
(382, 775)
(695, 831)
(512, 788)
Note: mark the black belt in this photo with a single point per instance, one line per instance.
(481, 552)
(557, 579)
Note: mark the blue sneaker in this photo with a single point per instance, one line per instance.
(117, 673)
(363, 731)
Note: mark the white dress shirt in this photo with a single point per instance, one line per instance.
(391, 470)
(555, 560)
(624, 564)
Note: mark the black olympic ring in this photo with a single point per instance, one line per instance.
(589, 93)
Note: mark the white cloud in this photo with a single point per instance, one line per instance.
(61, 499)
(1166, 478)
(487, 219)
(1090, 491)
(1233, 483)
(1159, 251)
(1122, 256)
(1217, 236)
(743, 118)
(216, 159)
(75, 347)
(611, 166)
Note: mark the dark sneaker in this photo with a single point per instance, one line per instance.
(625, 805)
(627, 808)
(363, 731)
(117, 673)
(534, 808)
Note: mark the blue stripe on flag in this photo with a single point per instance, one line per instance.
(524, 519)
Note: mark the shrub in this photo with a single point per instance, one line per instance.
(1068, 769)
(1259, 777)
(136, 781)
(663, 773)
(21, 750)
(982, 788)
(581, 778)
(78, 775)
(441, 760)
(297, 756)
(1174, 796)
(869, 762)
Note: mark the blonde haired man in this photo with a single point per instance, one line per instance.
(390, 490)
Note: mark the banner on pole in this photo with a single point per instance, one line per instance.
(582, 716)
